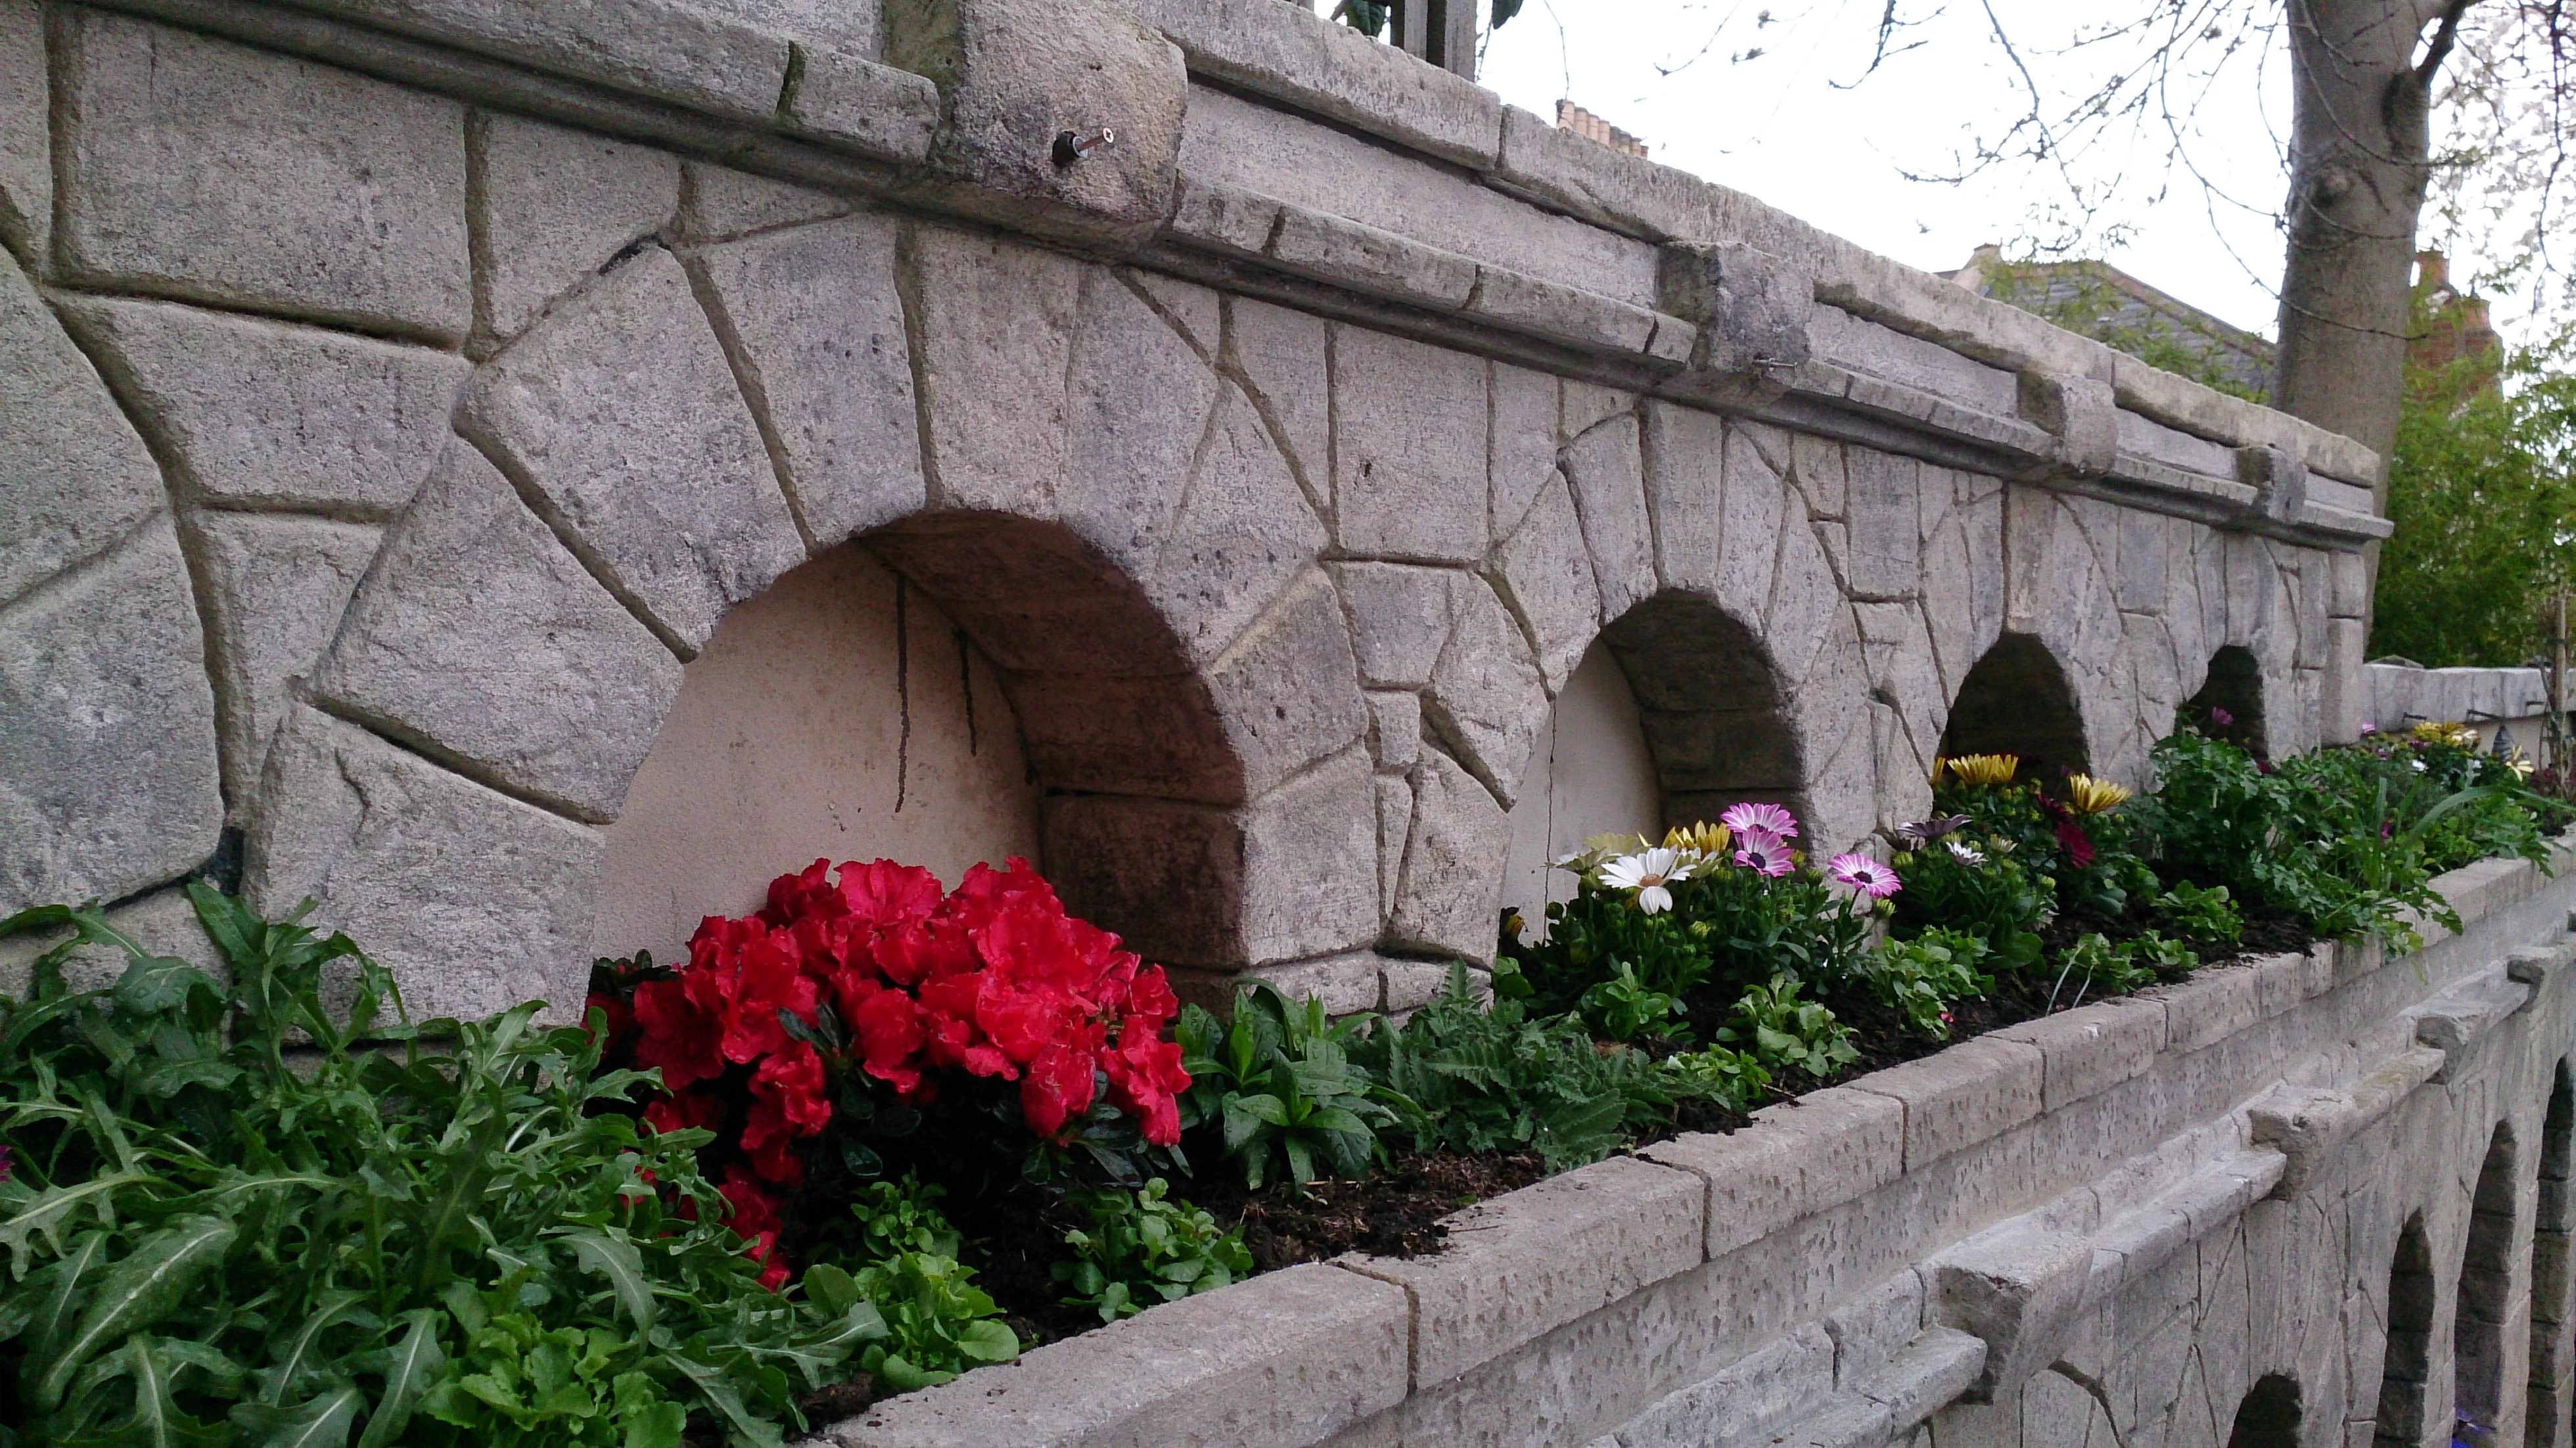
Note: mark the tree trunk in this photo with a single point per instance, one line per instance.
(2360, 137)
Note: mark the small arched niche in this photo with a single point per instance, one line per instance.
(1671, 716)
(2017, 700)
(840, 714)
(2405, 1368)
(2486, 1276)
(2268, 1416)
(2545, 1415)
(2229, 705)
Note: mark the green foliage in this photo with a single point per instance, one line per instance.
(1779, 1030)
(1468, 1079)
(2482, 488)
(1623, 1009)
(1601, 939)
(1139, 1249)
(1279, 1083)
(2205, 916)
(898, 1217)
(939, 1324)
(1732, 1079)
(2102, 967)
(1919, 978)
(238, 1215)
(1988, 893)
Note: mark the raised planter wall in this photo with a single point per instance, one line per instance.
(2101, 1227)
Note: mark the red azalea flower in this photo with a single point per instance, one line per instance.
(1151, 998)
(754, 1217)
(620, 1019)
(1060, 1085)
(892, 1032)
(683, 1040)
(886, 895)
(1146, 1079)
(687, 1111)
(787, 1102)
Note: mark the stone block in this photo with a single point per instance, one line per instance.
(2092, 1049)
(1394, 828)
(1538, 1258)
(1748, 538)
(2350, 579)
(2343, 703)
(1347, 984)
(1749, 1400)
(1804, 1156)
(1137, 415)
(1930, 1374)
(425, 870)
(1158, 736)
(1559, 312)
(718, 202)
(108, 762)
(2081, 414)
(1874, 1327)
(1400, 618)
(2280, 982)
(1685, 467)
(1974, 1091)
(814, 316)
(75, 479)
(1886, 524)
(1521, 445)
(1754, 309)
(26, 142)
(337, 197)
(1589, 179)
(554, 206)
(2017, 1290)
(1013, 74)
(272, 415)
(846, 99)
(1283, 356)
(1604, 468)
(1413, 984)
(1448, 892)
(1290, 876)
(1335, 71)
(729, 57)
(1408, 449)
(275, 588)
(1281, 1360)
(480, 638)
(2210, 1007)
(994, 324)
(620, 412)
(1395, 727)
(1243, 533)
(1547, 575)
(1487, 697)
(1289, 690)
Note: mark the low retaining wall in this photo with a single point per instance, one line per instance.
(2111, 1222)
(2516, 700)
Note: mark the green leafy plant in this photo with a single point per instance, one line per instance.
(1278, 1084)
(1466, 1078)
(1919, 978)
(1733, 1079)
(1779, 1030)
(1138, 1249)
(1623, 1008)
(2205, 916)
(239, 1215)
(939, 1324)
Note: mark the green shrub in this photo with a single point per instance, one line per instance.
(1138, 1249)
(1781, 1031)
(1919, 978)
(939, 1323)
(1278, 1084)
(236, 1215)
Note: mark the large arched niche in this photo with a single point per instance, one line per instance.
(1673, 714)
(2017, 700)
(955, 687)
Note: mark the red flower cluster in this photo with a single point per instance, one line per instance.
(992, 979)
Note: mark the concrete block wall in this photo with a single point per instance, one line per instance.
(2111, 1224)
(404, 389)
(2514, 700)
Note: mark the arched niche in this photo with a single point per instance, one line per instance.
(2486, 1277)
(1589, 774)
(2234, 689)
(2017, 700)
(2268, 1416)
(839, 714)
(2545, 1412)
(2405, 1373)
(1673, 714)
(1001, 682)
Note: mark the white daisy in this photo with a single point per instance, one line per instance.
(1647, 872)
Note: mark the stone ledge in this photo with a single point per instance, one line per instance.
(1972, 1092)
(1806, 1156)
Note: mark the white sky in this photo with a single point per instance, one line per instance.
(1792, 128)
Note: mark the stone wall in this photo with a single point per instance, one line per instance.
(403, 392)
(2317, 1200)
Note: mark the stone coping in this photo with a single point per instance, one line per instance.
(1293, 1357)
(809, 98)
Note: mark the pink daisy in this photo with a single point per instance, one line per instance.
(1763, 852)
(1749, 817)
(1863, 875)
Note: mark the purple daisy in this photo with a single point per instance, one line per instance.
(1751, 818)
(1762, 852)
(1863, 875)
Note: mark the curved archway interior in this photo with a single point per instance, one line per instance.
(2017, 701)
(2545, 1411)
(1710, 706)
(2486, 1275)
(2234, 688)
(2268, 1417)
(838, 714)
(1590, 774)
(2404, 1371)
